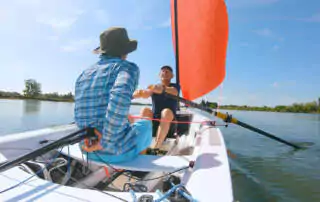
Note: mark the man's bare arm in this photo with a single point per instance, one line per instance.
(171, 90)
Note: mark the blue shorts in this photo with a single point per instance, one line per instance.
(142, 140)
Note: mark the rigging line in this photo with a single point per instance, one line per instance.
(220, 96)
(139, 180)
(55, 157)
(24, 181)
(15, 148)
(69, 163)
(93, 188)
(182, 122)
(176, 41)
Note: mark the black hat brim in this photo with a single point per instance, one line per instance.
(130, 47)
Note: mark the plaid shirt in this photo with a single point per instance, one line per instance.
(103, 96)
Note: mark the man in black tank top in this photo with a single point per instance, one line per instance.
(163, 108)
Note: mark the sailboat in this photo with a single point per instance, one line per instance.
(48, 165)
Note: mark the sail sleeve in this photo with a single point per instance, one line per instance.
(200, 30)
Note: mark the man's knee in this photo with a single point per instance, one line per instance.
(167, 114)
(146, 112)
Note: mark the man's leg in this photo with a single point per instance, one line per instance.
(146, 112)
(166, 117)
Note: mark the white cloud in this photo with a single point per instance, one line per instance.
(276, 47)
(146, 27)
(59, 15)
(60, 21)
(166, 23)
(313, 18)
(53, 38)
(78, 45)
(249, 3)
(244, 44)
(58, 24)
(3, 15)
(101, 16)
(275, 84)
(266, 1)
(29, 2)
(266, 32)
(288, 83)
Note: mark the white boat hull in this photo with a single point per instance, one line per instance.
(208, 180)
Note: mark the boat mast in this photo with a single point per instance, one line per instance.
(176, 40)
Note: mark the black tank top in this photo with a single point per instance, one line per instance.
(160, 102)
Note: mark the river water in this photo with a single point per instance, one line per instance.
(262, 169)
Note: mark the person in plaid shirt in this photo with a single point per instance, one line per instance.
(103, 95)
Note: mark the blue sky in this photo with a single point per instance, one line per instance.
(272, 51)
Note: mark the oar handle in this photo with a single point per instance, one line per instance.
(230, 119)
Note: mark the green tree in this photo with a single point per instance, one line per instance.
(68, 96)
(203, 103)
(32, 88)
(311, 106)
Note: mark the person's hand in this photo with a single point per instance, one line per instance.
(146, 93)
(95, 144)
(156, 88)
(131, 119)
(94, 147)
(142, 93)
(136, 94)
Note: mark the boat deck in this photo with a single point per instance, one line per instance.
(146, 163)
(37, 189)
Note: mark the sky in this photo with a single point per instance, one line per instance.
(272, 57)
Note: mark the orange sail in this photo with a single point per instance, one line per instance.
(200, 28)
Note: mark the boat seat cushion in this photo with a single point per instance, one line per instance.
(146, 163)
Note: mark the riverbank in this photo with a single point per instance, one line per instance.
(58, 100)
(54, 97)
(310, 107)
(39, 99)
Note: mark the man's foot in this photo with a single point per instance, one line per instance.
(156, 152)
(144, 151)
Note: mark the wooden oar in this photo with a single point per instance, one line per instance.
(230, 119)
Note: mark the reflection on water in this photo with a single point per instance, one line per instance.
(263, 169)
(31, 106)
(274, 171)
(22, 115)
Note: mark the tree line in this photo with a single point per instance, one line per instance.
(308, 107)
(32, 90)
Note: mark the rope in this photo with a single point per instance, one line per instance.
(133, 195)
(167, 121)
(24, 181)
(169, 192)
(87, 186)
(220, 96)
(69, 163)
(55, 157)
(150, 179)
(179, 188)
